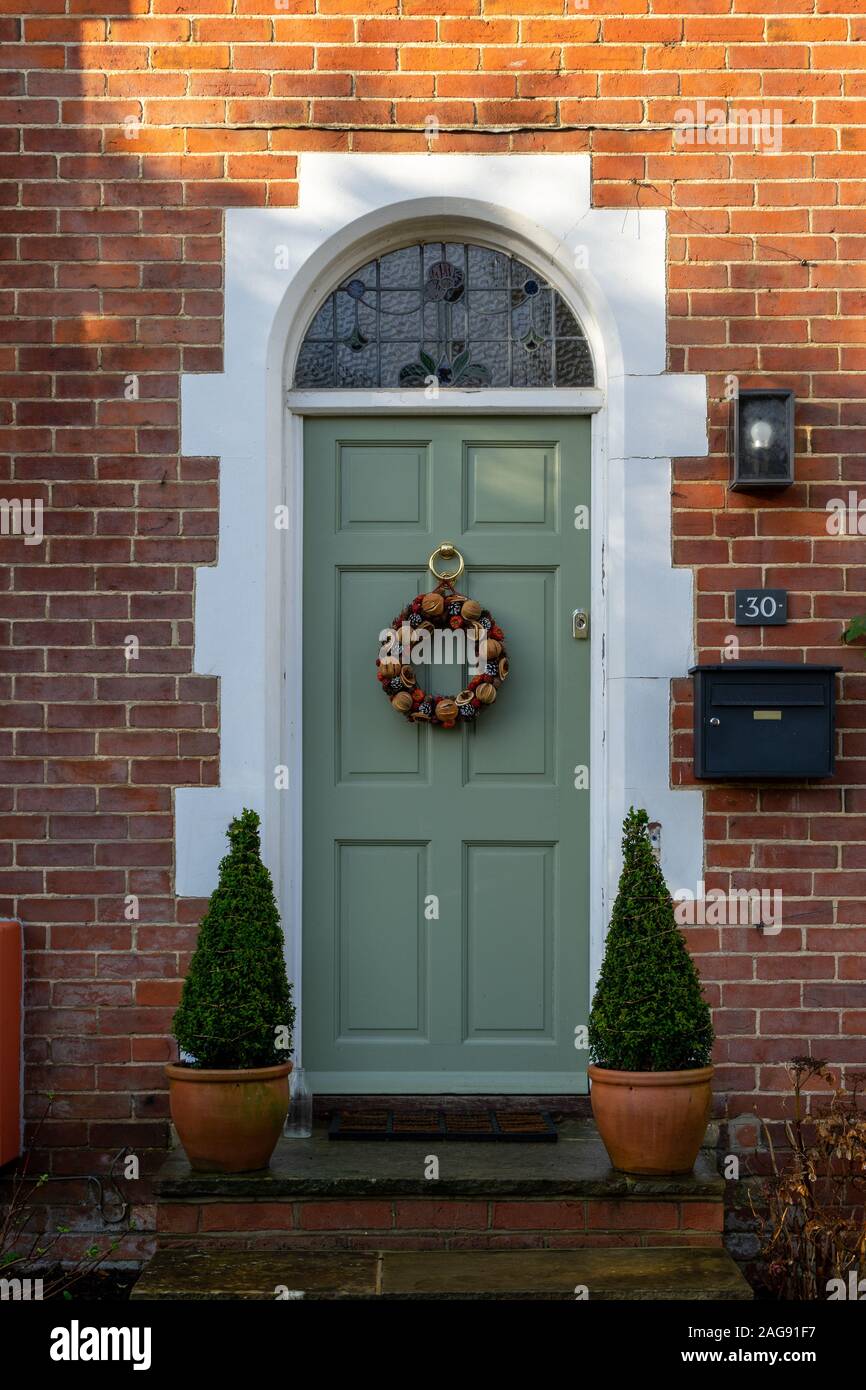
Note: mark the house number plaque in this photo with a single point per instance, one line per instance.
(761, 607)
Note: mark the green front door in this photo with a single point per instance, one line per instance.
(446, 871)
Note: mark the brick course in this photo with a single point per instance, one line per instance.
(125, 130)
(417, 1224)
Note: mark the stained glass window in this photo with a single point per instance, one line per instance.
(462, 314)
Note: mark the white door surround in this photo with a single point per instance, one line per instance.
(280, 264)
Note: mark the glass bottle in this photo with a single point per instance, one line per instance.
(299, 1121)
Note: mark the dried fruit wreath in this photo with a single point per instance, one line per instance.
(443, 609)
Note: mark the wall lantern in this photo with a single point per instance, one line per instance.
(763, 440)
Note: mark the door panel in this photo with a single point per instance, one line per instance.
(511, 485)
(365, 741)
(509, 883)
(518, 744)
(366, 877)
(446, 872)
(384, 484)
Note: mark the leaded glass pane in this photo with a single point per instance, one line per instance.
(465, 315)
(367, 275)
(530, 319)
(488, 270)
(401, 269)
(322, 326)
(494, 358)
(531, 367)
(315, 367)
(567, 325)
(573, 362)
(441, 318)
(357, 319)
(357, 368)
(488, 313)
(392, 358)
(400, 315)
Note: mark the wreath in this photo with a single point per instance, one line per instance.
(442, 610)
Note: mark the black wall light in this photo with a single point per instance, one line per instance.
(763, 440)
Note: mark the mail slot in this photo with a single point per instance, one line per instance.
(764, 719)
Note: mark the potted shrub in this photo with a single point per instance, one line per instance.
(229, 1094)
(650, 1031)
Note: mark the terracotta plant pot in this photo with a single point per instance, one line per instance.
(651, 1122)
(229, 1121)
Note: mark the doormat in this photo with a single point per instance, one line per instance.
(474, 1126)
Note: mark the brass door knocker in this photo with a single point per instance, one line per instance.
(448, 552)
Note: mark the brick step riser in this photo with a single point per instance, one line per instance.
(406, 1224)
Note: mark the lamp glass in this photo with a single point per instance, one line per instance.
(764, 439)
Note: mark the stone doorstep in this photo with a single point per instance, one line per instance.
(575, 1167)
(356, 1195)
(608, 1275)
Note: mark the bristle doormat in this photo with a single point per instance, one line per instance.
(475, 1126)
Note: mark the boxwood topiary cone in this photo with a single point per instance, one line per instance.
(236, 1007)
(648, 1013)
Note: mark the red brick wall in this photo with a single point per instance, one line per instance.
(112, 251)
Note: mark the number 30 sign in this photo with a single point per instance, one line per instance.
(761, 607)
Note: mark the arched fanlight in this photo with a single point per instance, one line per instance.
(460, 314)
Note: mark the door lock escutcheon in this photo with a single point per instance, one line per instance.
(580, 624)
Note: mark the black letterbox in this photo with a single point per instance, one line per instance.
(763, 719)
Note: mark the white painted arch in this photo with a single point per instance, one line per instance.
(280, 265)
